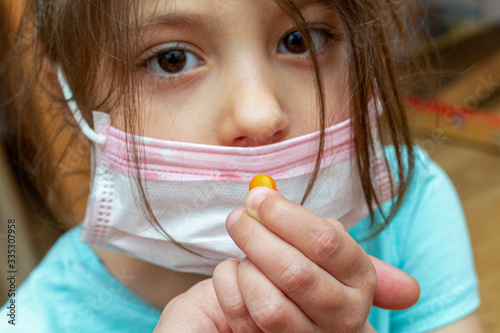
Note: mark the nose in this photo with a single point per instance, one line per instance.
(252, 113)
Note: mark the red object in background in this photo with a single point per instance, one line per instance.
(454, 111)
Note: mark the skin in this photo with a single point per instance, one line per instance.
(243, 92)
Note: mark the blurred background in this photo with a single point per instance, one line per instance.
(460, 130)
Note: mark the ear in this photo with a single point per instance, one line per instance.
(51, 84)
(48, 79)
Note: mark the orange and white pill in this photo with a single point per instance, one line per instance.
(262, 180)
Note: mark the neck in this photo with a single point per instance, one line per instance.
(157, 285)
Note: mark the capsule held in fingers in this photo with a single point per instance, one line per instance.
(262, 180)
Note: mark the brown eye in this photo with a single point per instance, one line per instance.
(172, 61)
(294, 42)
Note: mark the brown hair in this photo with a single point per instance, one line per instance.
(92, 39)
(20, 132)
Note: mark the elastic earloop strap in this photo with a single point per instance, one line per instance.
(68, 95)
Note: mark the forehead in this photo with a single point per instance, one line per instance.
(210, 13)
(231, 3)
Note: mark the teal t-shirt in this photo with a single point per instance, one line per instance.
(71, 291)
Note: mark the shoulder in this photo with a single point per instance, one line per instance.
(429, 196)
(431, 213)
(431, 190)
(428, 238)
(70, 288)
(426, 172)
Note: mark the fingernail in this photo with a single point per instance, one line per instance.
(235, 214)
(256, 197)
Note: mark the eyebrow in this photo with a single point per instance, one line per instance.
(192, 21)
(198, 21)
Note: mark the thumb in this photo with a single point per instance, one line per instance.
(396, 290)
(196, 310)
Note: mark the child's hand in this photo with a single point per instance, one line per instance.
(196, 310)
(302, 273)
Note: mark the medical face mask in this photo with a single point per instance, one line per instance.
(193, 187)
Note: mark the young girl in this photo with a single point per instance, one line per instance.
(183, 102)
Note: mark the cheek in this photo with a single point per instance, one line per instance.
(156, 119)
(336, 100)
(186, 117)
(300, 96)
(336, 85)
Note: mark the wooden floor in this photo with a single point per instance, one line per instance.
(476, 175)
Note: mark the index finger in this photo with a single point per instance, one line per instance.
(324, 241)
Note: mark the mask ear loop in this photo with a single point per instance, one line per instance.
(68, 95)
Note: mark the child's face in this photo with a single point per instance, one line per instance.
(235, 73)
